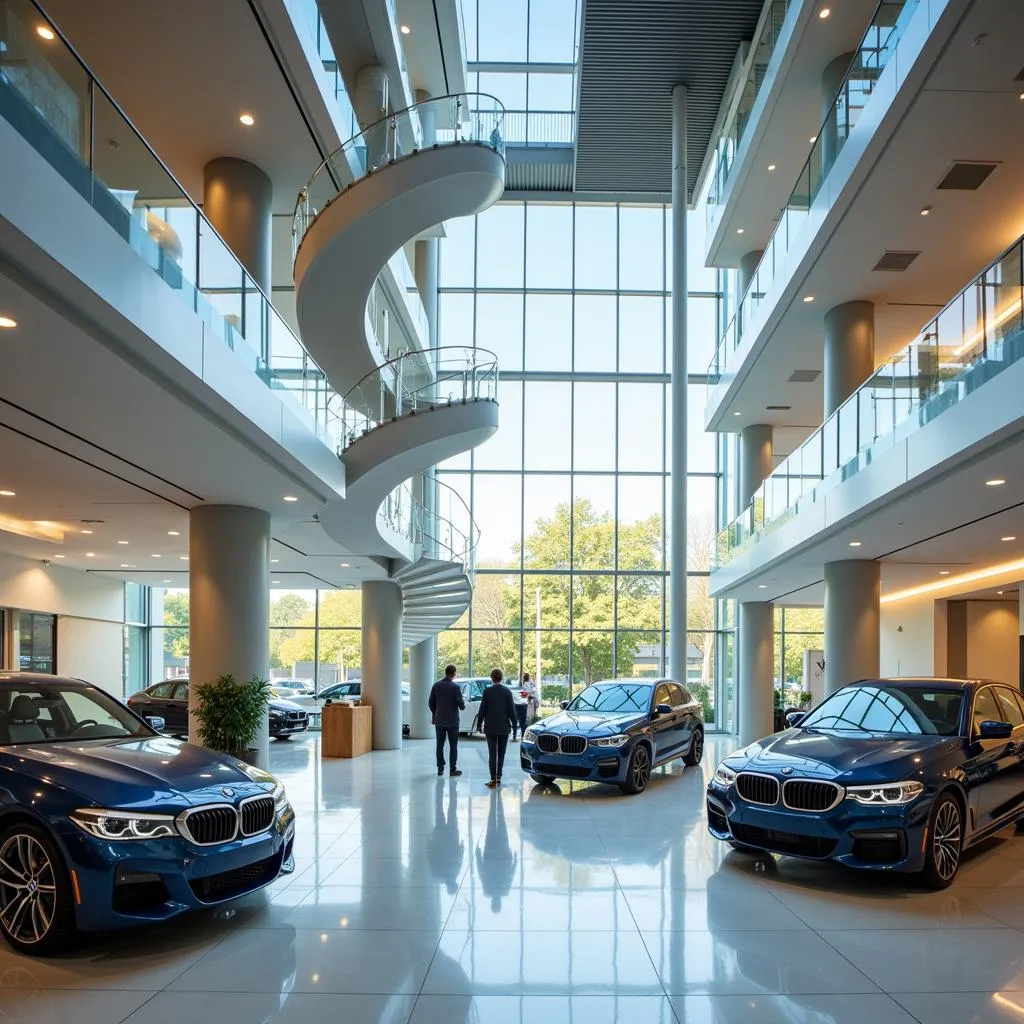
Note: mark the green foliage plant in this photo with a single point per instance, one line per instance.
(230, 713)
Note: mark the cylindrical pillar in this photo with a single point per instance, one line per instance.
(382, 661)
(677, 484)
(852, 622)
(755, 459)
(749, 262)
(422, 676)
(238, 200)
(831, 79)
(229, 600)
(428, 118)
(370, 98)
(849, 350)
(757, 670)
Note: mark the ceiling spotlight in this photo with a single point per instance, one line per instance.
(943, 572)
(824, 13)
(813, 139)
(167, 581)
(90, 554)
(925, 210)
(275, 582)
(6, 494)
(855, 543)
(125, 565)
(122, 542)
(247, 119)
(1007, 538)
(771, 167)
(184, 558)
(762, 586)
(290, 497)
(45, 32)
(1000, 592)
(8, 323)
(344, 565)
(808, 298)
(737, 414)
(59, 556)
(1021, 96)
(739, 231)
(997, 482)
(274, 561)
(155, 556)
(404, 29)
(173, 533)
(87, 531)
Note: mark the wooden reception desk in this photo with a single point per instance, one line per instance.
(346, 730)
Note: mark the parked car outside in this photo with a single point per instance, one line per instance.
(106, 824)
(886, 774)
(292, 688)
(169, 700)
(351, 690)
(616, 731)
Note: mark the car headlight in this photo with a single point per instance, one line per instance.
(121, 825)
(725, 775)
(277, 713)
(611, 741)
(887, 794)
(280, 797)
(530, 736)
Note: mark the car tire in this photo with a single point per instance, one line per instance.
(696, 752)
(945, 842)
(638, 770)
(543, 780)
(27, 849)
(282, 737)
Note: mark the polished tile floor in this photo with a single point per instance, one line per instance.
(437, 901)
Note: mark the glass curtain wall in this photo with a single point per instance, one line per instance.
(571, 493)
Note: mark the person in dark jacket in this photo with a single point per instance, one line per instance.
(445, 703)
(496, 719)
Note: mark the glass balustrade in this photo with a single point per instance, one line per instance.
(977, 336)
(870, 59)
(442, 525)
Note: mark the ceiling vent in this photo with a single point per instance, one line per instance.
(893, 259)
(804, 376)
(778, 408)
(966, 177)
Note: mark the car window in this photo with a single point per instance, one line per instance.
(985, 709)
(662, 695)
(1009, 709)
(50, 712)
(613, 698)
(162, 690)
(678, 696)
(180, 692)
(889, 708)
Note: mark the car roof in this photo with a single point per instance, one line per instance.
(14, 678)
(922, 681)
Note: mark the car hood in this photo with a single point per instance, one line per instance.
(280, 704)
(827, 755)
(589, 723)
(154, 772)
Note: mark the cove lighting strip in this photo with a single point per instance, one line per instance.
(951, 582)
(35, 531)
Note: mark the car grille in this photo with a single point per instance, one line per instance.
(296, 716)
(573, 744)
(237, 881)
(565, 771)
(782, 842)
(551, 744)
(208, 826)
(256, 815)
(808, 795)
(547, 743)
(757, 789)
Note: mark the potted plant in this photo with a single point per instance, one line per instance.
(230, 714)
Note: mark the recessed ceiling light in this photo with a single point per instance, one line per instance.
(739, 231)
(824, 13)
(247, 119)
(813, 139)
(90, 554)
(808, 298)
(155, 556)
(45, 32)
(855, 543)
(275, 582)
(8, 323)
(1007, 538)
(999, 591)
(167, 581)
(925, 210)
(404, 29)
(771, 167)
(122, 542)
(344, 565)
(290, 497)
(943, 572)
(762, 586)
(173, 533)
(125, 565)
(737, 414)
(274, 561)
(6, 494)
(184, 558)
(87, 531)
(996, 482)
(1022, 96)
(58, 556)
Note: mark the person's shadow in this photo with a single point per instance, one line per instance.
(496, 862)
(445, 848)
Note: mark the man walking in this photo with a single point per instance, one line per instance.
(445, 704)
(497, 718)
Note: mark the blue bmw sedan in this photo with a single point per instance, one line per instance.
(616, 731)
(891, 775)
(104, 823)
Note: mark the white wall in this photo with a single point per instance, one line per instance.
(92, 650)
(913, 638)
(992, 644)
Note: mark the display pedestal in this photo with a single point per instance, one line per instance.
(346, 730)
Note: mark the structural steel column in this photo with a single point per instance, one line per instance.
(677, 554)
(755, 459)
(382, 661)
(757, 670)
(238, 200)
(849, 350)
(852, 622)
(229, 600)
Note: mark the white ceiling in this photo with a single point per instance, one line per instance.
(968, 110)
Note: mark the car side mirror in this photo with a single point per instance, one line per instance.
(663, 709)
(156, 723)
(995, 730)
(794, 718)
(564, 704)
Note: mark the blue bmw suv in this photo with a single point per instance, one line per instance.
(105, 824)
(616, 731)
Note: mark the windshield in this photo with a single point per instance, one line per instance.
(614, 698)
(55, 712)
(890, 708)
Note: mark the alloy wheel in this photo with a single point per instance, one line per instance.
(641, 768)
(946, 838)
(28, 889)
(697, 747)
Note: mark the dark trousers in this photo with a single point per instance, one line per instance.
(521, 710)
(451, 733)
(496, 744)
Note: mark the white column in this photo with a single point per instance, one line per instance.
(852, 622)
(422, 676)
(757, 670)
(382, 661)
(677, 554)
(755, 459)
(229, 600)
(238, 200)
(849, 350)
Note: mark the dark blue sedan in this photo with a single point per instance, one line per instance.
(104, 823)
(891, 775)
(616, 731)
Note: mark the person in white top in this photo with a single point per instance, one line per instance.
(532, 697)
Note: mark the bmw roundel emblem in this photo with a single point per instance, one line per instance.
(787, 770)
(226, 791)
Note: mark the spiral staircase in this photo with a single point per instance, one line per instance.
(399, 413)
